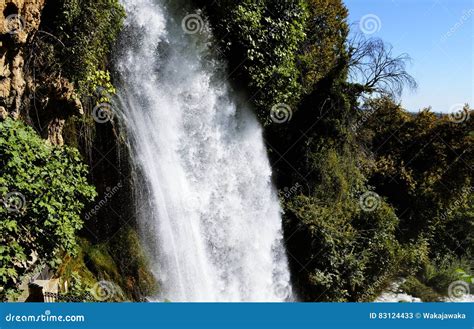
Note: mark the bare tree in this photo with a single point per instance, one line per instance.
(373, 66)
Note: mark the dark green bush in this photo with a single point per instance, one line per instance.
(414, 287)
(44, 190)
(339, 249)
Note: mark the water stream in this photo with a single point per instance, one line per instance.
(209, 214)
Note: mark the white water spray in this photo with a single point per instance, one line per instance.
(209, 214)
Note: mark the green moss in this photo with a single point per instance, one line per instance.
(120, 261)
(100, 262)
(72, 265)
(128, 253)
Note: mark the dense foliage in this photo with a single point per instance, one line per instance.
(423, 164)
(67, 62)
(340, 235)
(44, 190)
(280, 49)
(339, 249)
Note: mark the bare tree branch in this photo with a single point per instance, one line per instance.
(373, 65)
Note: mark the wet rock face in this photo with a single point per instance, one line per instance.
(18, 20)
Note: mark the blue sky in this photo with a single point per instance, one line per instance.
(439, 37)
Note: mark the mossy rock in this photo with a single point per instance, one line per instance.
(414, 287)
(128, 253)
(120, 261)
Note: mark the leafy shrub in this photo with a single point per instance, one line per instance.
(77, 289)
(455, 236)
(325, 44)
(100, 84)
(44, 190)
(339, 250)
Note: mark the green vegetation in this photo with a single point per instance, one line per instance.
(415, 168)
(281, 49)
(384, 193)
(87, 31)
(99, 84)
(120, 262)
(354, 249)
(68, 61)
(415, 287)
(425, 169)
(44, 190)
(432, 282)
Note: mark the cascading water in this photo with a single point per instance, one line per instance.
(209, 214)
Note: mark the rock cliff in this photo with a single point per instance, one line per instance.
(51, 99)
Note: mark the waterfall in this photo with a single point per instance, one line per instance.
(208, 212)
